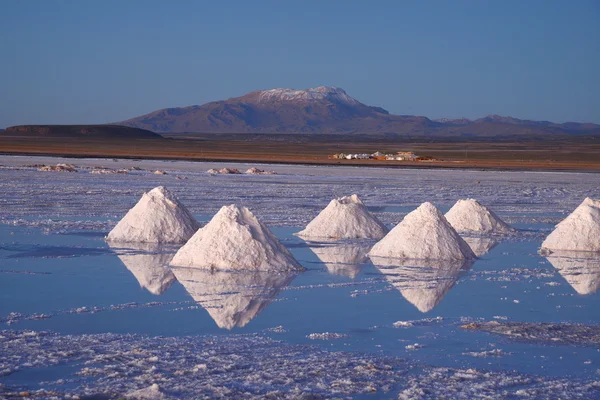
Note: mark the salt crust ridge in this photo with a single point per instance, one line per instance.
(344, 218)
(470, 216)
(580, 231)
(423, 234)
(235, 239)
(158, 217)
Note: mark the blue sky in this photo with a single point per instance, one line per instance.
(105, 61)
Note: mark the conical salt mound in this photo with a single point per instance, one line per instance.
(423, 234)
(580, 270)
(470, 216)
(345, 259)
(232, 298)
(235, 240)
(424, 283)
(580, 231)
(157, 218)
(344, 218)
(148, 262)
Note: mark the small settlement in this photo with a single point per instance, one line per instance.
(399, 156)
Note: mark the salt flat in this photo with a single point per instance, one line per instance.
(78, 316)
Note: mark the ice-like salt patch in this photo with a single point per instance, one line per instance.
(327, 336)
(235, 239)
(542, 332)
(580, 231)
(423, 234)
(151, 392)
(345, 218)
(471, 216)
(157, 218)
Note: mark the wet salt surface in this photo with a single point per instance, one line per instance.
(73, 309)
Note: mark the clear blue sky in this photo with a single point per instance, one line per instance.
(108, 60)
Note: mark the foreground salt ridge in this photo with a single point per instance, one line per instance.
(344, 218)
(149, 264)
(423, 234)
(470, 216)
(232, 299)
(423, 283)
(158, 217)
(580, 231)
(235, 239)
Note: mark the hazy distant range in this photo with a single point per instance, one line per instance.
(330, 110)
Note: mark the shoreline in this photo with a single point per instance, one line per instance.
(474, 165)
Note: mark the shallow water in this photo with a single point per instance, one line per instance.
(58, 275)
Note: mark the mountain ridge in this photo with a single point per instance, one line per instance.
(328, 109)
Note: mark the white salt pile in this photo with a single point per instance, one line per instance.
(149, 264)
(580, 270)
(232, 298)
(580, 231)
(345, 259)
(157, 218)
(106, 171)
(423, 234)
(470, 216)
(224, 171)
(235, 240)
(344, 218)
(58, 168)
(256, 171)
(424, 283)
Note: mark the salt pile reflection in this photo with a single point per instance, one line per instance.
(231, 298)
(424, 283)
(148, 263)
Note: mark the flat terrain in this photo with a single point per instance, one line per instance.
(557, 153)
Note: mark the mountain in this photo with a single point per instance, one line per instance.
(80, 131)
(328, 109)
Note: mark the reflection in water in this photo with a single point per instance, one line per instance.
(342, 259)
(232, 298)
(580, 269)
(422, 282)
(481, 245)
(148, 262)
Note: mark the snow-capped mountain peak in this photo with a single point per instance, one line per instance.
(330, 93)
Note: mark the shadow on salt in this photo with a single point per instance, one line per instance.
(148, 262)
(424, 283)
(346, 259)
(232, 298)
(579, 268)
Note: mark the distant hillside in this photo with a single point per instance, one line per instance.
(330, 110)
(80, 131)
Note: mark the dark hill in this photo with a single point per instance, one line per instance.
(80, 131)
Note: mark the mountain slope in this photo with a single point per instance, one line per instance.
(328, 109)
